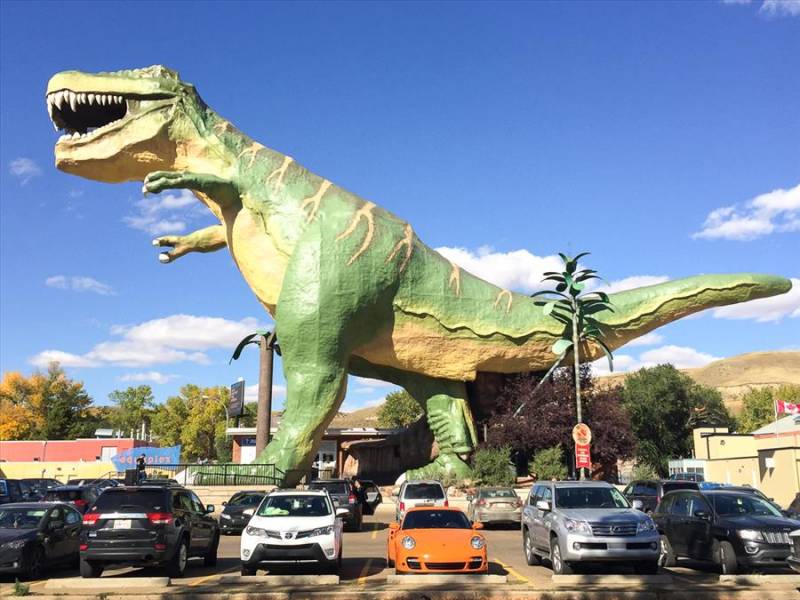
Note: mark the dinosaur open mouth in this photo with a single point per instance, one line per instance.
(81, 114)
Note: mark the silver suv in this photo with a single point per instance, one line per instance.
(585, 521)
(419, 493)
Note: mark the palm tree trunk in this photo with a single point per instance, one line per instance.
(577, 363)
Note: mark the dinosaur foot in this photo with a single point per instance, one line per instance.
(448, 468)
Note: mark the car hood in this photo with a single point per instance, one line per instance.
(602, 515)
(235, 511)
(291, 523)
(430, 540)
(757, 522)
(10, 535)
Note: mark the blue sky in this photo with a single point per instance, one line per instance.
(663, 137)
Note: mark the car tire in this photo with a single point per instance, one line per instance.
(34, 563)
(210, 558)
(527, 547)
(176, 566)
(666, 556)
(247, 571)
(647, 567)
(560, 566)
(726, 558)
(90, 569)
(390, 563)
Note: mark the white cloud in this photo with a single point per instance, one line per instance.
(251, 392)
(165, 214)
(177, 338)
(765, 310)
(777, 211)
(681, 357)
(24, 169)
(622, 363)
(650, 339)
(780, 8)
(149, 376)
(350, 405)
(79, 284)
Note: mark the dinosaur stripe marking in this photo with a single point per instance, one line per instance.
(455, 278)
(408, 242)
(499, 297)
(366, 212)
(252, 150)
(314, 201)
(280, 172)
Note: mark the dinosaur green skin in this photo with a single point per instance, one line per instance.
(351, 287)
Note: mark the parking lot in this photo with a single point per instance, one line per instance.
(364, 569)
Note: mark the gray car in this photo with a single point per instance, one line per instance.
(494, 505)
(573, 522)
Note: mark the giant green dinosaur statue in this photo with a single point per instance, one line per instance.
(351, 287)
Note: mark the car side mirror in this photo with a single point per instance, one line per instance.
(638, 505)
(543, 505)
(394, 526)
(210, 508)
(477, 525)
(224, 504)
(53, 525)
(249, 512)
(701, 514)
(340, 512)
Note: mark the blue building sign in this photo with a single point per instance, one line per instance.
(153, 457)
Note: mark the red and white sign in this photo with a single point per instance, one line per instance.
(583, 457)
(782, 407)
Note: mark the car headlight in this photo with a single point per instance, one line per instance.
(577, 526)
(645, 526)
(477, 542)
(320, 531)
(256, 532)
(224, 516)
(16, 544)
(408, 542)
(754, 535)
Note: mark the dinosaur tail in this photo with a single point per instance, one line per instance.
(639, 311)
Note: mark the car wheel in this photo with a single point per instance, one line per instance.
(560, 566)
(90, 569)
(646, 568)
(176, 566)
(527, 545)
(247, 571)
(666, 556)
(390, 563)
(210, 559)
(726, 556)
(34, 563)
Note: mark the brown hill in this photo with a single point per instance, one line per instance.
(735, 375)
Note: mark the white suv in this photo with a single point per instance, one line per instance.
(292, 526)
(419, 493)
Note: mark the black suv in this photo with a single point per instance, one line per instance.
(232, 519)
(732, 529)
(11, 491)
(343, 495)
(148, 526)
(79, 496)
(650, 491)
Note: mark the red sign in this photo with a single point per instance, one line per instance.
(788, 408)
(583, 458)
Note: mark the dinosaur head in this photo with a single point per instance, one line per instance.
(120, 126)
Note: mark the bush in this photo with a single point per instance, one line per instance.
(643, 471)
(492, 466)
(549, 464)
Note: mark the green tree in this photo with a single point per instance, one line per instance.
(664, 406)
(549, 464)
(66, 407)
(399, 410)
(132, 407)
(491, 466)
(169, 419)
(758, 405)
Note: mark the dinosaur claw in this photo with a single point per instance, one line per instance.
(156, 243)
(163, 258)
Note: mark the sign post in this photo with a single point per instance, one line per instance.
(236, 404)
(582, 436)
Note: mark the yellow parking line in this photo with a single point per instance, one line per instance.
(511, 571)
(362, 577)
(375, 532)
(207, 577)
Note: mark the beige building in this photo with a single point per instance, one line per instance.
(767, 459)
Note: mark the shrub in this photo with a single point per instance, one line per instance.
(492, 466)
(549, 464)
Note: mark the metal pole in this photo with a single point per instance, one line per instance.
(264, 412)
(577, 359)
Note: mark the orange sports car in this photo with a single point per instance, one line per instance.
(435, 539)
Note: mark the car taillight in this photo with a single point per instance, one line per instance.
(80, 502)
(159, 518)
(84, 547)
(351, 499)
(402, 507)
(90, 518)
(480, 502)
(446, 503)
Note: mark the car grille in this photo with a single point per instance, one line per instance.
(444, 566)
(613, 529)
(797, 546)
(293, 547)
(777, 537)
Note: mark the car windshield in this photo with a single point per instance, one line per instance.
(590, 497)
(294, 506)
(728, 505)
(128, 500)
(679, 485)
(21, 518)
(246, 500)
(498, 494)
(424, 491)
(436, 519)
(334, 487)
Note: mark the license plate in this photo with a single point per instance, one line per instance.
(122, 524)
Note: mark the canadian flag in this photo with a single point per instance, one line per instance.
(783, 407)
